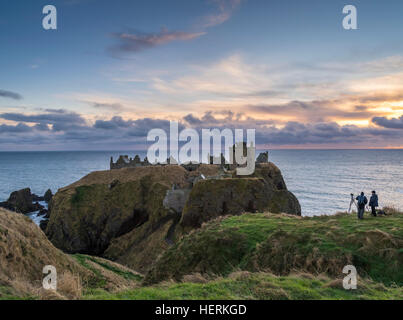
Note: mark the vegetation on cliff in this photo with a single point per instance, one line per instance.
(25, 251)
(251, 256)
(218, 247)
(254, 286)
(283, 243)
(120, 214)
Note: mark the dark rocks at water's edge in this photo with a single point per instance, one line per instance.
(43, 224)
(22, 201)
(48, 196)
(25, 202)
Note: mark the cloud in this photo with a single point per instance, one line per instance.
(10, 94)
(19, 128)
(224, 11)
(136, 42)
(297, 133)
(140, 41)
(106, 105)
(394, 123)
(71, 130)
(314, 111)
(230, 77)
(52, 117)
(59, 119)
(133, 128)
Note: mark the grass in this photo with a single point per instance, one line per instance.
(282, 243)
(98, 280)
(101, 277)
(7, 293)
(252, 256)
(106, 265)
(255, 286)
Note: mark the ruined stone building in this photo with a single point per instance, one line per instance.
(125, 162)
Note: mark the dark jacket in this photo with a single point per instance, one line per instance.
(361, 204)
(373, 201)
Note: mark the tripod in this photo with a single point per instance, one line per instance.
(352, 201)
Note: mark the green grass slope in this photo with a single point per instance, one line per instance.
(281, 244)
(255, 286)
(252, 256)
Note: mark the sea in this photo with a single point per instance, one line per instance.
(322, 180)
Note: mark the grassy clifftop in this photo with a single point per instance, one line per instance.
(266, 256)
(282, 244)
(252, 256)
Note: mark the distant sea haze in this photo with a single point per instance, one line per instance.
(322, 180)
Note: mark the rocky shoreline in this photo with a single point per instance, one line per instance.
(27, 203)
(132, 215)
(138, 227)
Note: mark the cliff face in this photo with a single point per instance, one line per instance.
(87, 215)
(132, 215)
(210, 199)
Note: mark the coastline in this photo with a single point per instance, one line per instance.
(321, 188)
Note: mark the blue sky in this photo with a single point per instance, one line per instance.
(114, 69)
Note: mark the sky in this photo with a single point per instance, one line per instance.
(113, 70)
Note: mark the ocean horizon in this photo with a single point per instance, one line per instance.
(321, 179)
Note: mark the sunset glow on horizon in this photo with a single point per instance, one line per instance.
(111, 72)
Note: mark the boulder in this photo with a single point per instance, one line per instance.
(48, 196)
(21, 201)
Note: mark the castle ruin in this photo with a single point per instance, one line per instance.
(125, 162)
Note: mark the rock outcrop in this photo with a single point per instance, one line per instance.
(210, 199)
(48, 196)
(22, 201)
(131, 215)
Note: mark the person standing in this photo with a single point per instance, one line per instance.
(361, 202)
(373, 203)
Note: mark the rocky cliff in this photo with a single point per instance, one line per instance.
(132, 215)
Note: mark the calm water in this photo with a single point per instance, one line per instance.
(322, 180)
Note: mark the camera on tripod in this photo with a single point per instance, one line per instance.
(352, 201)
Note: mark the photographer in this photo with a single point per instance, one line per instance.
(373, 203)
(361, 202)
